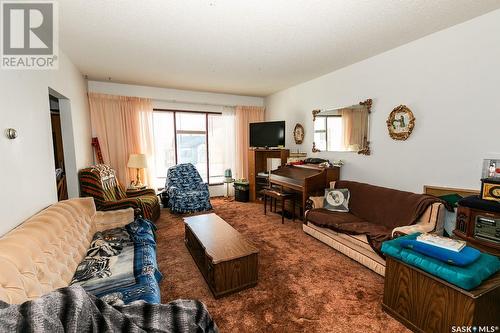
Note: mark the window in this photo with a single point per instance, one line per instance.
(328, 133)
(216, 137)
(164, 143)
(191, 131)
(199, 138)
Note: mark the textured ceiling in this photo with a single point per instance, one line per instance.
(240, 46)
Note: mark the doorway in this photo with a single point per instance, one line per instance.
(57, 141)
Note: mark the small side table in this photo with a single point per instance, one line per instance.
(228, 181)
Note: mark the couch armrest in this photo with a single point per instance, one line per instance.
(316, 202)
(432, 220)
(311, 203)
(422, 227)
(113, 219)
(138, 193)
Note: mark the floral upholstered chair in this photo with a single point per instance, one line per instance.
(185, 191)
(100, 182)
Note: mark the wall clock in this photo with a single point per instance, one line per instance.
(400, 123)
(298, 134)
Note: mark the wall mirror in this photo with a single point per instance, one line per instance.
(342, 129)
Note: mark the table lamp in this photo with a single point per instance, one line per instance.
(137, 161)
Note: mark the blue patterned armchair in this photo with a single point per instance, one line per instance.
(185, 191)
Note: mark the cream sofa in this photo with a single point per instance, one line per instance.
(357, 247)
(42, 253)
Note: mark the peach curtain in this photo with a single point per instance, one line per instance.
(124, 126)
(355, 126)
(244, 116)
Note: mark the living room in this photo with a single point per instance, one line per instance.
(369, 127)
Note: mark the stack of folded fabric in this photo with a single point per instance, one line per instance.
(447, 259)
(120, 264)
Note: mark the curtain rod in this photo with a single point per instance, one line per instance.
(195, 103)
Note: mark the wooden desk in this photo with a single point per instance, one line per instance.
(225, 259)
(425, 303)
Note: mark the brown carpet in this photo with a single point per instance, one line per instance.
(304, 285)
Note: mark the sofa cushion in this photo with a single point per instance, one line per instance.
(336, 200)
(324, 218)
(42, 253)
(350, 224)
(389, 207)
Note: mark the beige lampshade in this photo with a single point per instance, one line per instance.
(137, 161)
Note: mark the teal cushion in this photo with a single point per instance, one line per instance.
(464, 257)
(393, 247)
(467, 277)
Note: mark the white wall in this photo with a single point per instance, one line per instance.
(451, 82)
(175, 99)
(27, 163)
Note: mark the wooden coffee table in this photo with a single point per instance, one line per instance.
(226, 260)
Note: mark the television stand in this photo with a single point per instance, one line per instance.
(257, 162)
(267, 148)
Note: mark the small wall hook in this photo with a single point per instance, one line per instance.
(11, 133)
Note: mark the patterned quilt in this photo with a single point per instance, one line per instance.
(121, 264)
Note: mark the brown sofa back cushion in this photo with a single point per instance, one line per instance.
(385, 206)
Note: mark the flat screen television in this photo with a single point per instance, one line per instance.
(267, 134)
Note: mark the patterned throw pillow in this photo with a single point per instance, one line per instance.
(337, 200)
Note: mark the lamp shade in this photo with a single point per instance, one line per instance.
(137, 161)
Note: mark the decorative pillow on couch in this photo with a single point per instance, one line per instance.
(337, 200)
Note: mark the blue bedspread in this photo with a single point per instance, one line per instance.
(132, 272)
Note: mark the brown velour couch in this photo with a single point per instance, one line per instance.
(375, 215)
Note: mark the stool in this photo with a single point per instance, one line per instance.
(276, 195)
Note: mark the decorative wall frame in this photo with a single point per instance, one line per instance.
(400, 123)
(298, 133)
(366, 105)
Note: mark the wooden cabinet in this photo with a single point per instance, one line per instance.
(257, 162)
(467, 220)
(225, 259)
(425, 303)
